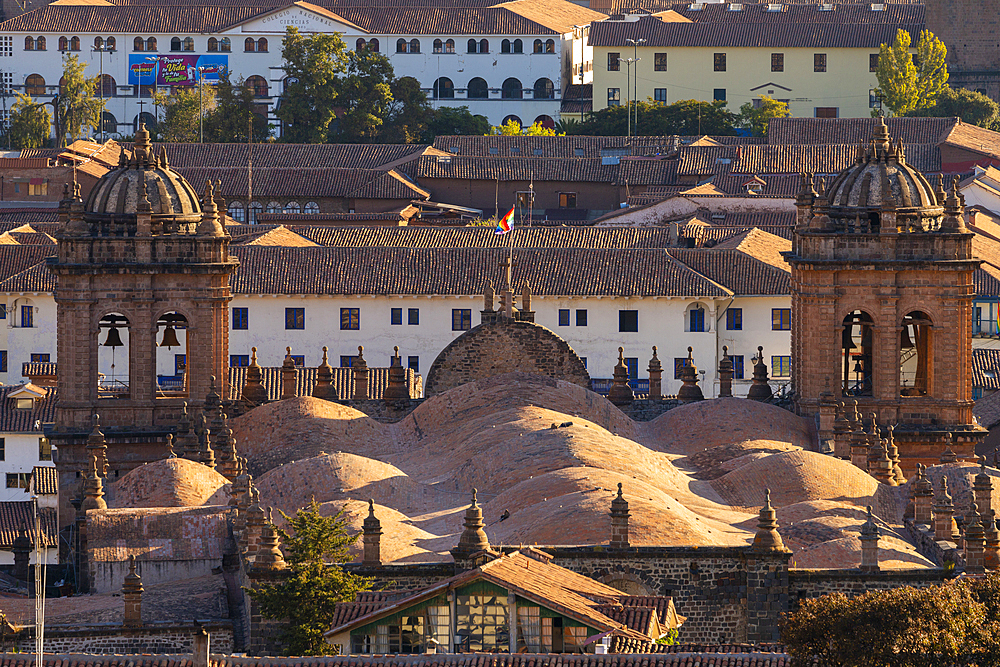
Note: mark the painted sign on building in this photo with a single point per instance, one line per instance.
(176, 70)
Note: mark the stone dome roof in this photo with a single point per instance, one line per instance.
(119, 192)
(880, 176)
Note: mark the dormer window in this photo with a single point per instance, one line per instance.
(24, 403)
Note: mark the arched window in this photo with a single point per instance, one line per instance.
(477, 89)
(213, 45)
(511, 89)
(511, 117)
(63, 44)
(255, 211)
(449, 46)
(29, 44)
(856, 338)
(273, 207)
(62, 85)
(550, 46)
(373, 45)
(111, 44)
(189, 44)
(695, 320)
(292, 207)
(236, 211)
(109, 87)
(109, 124)
(138, 44)
(505, 46)
(249, 45)
(544, 89)
(401, 45)
(74, 44)
(518, 46)
(258, 85)
(312, 207)
(438, 46)
(225, 45)
(98, 43)
(444, 89)
(113, 357)
(34, 85)
(262, 45)
(151, 44)
(484, 46)
(360, 44)
(171, 355)
(473, 46)
(537, 47)
(546, 121)
(915, 354)
(175, 44)
(414, 45)
(146, 118)
(40, 44)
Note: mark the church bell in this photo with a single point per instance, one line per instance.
(113, 339)
(169, 337)
(846, 339)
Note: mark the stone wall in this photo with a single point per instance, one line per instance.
(971, 30)
(805, 584)
(108, 638)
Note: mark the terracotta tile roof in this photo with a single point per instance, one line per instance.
(987, 280)
(35, 278)
(306, 182)
(483, 237)
(738, 271)
(305, 380)
(17, 258)
(647, 171)
(14, 420)
(304, 219)
(277, 155)
(973, 138)
(704, 160)
(364, 604)
(25, 162)
(986, 368)
(280, 236)
(525, 169)
(45, 480)
(20, 216)
(160, 534)
(15, 514)
(821, 158)
(795, 26)
(572, 146)
(761, 245)
(130, 19)
(987, 410)
(855, 130)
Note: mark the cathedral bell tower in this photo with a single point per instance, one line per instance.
(142, 295)
(882, 289)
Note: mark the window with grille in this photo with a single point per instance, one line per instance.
(44, 449)
(413, 316)
(481, 623)
(581, 318)
(239, 360)
(696, 319)
(781, 319)
(660, 62)
(777, 62)
(660, 95)
(719, 62)
(564, 317)
(295, 318)
(819, 62)
(27, 317)
(679, 364)
(396, 316)
(3, 361)
(40, 357)
(734, 319)
(873, 62)
(613, 64)
(737, 360)
(614, 97)
(781, 366)
(6, 46)
(461, 319)
(17, 480)
(241, 318)
(350, 319)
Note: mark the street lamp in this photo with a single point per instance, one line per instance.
(628, 91)
(635, 59)
(156, 105)
(101, 46)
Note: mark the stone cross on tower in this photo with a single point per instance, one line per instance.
(507, 294)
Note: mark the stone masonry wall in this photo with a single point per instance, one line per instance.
(116, 639)
(805, 584)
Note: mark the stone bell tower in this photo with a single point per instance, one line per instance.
(142, 295)
(882, 292)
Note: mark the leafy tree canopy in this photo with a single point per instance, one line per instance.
(365, 96)
(685, 117)
(76, 106)
(907, 81)
(756, 118)
(235, 115)
(972, 107)
(513, 129)
(314, 66)
(182, 113)
(455, 120)
(29, 123)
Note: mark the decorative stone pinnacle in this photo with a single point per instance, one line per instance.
(621, 355)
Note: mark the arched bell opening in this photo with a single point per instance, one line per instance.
(914, 354)
(171, 355)
(856, 339)
(113, 352)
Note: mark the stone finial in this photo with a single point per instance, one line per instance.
(269, 556)
(621, 393)
(869, 544)
(948, 456)
(655, 371)
(93, 490)
(210, 225)
(98, 446)
(225, 446)
(767, 537)
(204, 454)
(324, 387)
(360, 368)
(289, 376)
(893, 453)
(254, 391)
(944, 511)
(923, 497)
(132, 594)
(526, 297)
(489, 298)
(213, 400)
(372, 537)
(255, 520)
(880, 465)
(170, 446)
(760, 390)
(396, 390)
(690, 391)
(619, 521)
(975, 542)
(473, 538)
(726, 374)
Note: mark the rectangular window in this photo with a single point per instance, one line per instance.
(781, 366)
(3, 361)
(347, 361)
(39, 358)
(461, 319)
(3, 449)
(719, 62)
(564, 317)
(37, 189)
(781, 319)
(734, 319)
(396, 316)
(581, 318)
(17, 480)
(827, 112)
(614, 97)
(819, 62)
(719, 94)
(632, 364)
(299, 359)
(44, 449)
(628, 321)
(525, 199)
(350, 319)
(660, 95)
(660, 62)
(777, 62)
(567, 200)
(180, 364)
(413, 363)
(239, 360)
(737, 360)
(696, 319)
(613, 64)
(27, 316)
(679, 364)
(241, 318)
(872, 62)
(295, 318)
(413, 316)
(3, 311)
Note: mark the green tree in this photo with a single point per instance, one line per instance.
(76, 106)
(365, 96)
(513, 129)
(907, 81)
(409, 113)
(182, 113)
(455, 120)
(756, 118)
(29, 124)
(234, 115)
(315, 582)
(685, 117)
(972, 107)
(314, 66)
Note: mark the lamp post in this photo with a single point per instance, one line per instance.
(156, 106)
(201, 104)
(628, 91)
(101, 49)
(635, 59)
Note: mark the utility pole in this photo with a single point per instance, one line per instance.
(201, 104)
(635, 59)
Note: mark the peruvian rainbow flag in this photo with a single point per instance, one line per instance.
(505, 223)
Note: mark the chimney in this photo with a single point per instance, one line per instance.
(619, 521)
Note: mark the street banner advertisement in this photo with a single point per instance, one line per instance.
(176, 70)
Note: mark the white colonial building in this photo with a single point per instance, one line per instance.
(508, 61)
